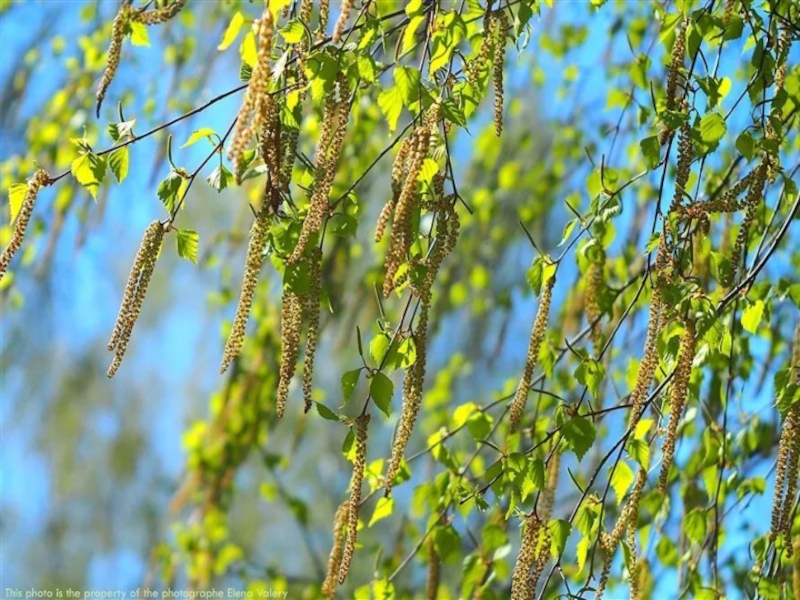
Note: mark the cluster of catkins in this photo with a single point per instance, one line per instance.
(674, 75)
(341, 556)
(120, 28)
(35, 183)
(135, 290)
(492, 50)
(297, 308)
(257, 102)
(405, 196)
(447, 229)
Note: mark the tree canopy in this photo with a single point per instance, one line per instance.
(503, 295)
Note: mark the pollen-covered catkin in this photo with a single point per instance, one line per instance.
(591, 296)
(291, 328)
(329, 148)
(684, 166)
(159, 15)
(335, 557)
(498, 65)
(324, 12)
(135, 290)
(341, 23)
(537, 336)
(678, 394)
(311, 304)
(114, 51)
(35, 183)
(362, 424)
(752, 202)
(253, 111)
(676, 64)
(522, 586)
(252, 269)
(434, 571)
(477, 65)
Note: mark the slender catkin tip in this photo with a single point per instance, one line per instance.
(362, 424)
(35, 183)
(537, 337)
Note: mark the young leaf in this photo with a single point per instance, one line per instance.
(187, 242)
(168, 190)
(349, 382)
(199, 134)
(231, 31)
(118, 162)
(381, 389)
(139, 35)
(579, 433)
(220, 178)
(16, 195)
(383, 509)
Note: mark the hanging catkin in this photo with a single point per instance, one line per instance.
(35, 183)
(591, 297)
(252, 269)
(135, 290)
(341, 23)
(751, 203)
(337, 550)
(291, 329)
(114, 51)
(498, 65)
(311, 308)
(523, 586)
(534, 344)
(434, 571)
(359, 465)
(678, 393)
(255, 104)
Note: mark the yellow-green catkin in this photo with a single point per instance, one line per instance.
(324, 12)
(498, 65)
(447, 234)
(796, 568)
(676, 65)
(291, 329)
(728, 11)
(684, 166)
(678, 393)
(158, 15)
(751, 204)
(252, 269)
(360, 463)
(478, 64)
(329, 148)
(522, 584)
(591, 295)
(254, 108)
(341, 23)
(114, 51)
(337, 550)
(535, 342)
(135, 290)
(551, 486)
(311, 308)
(399, 171)
(434, 571)
(35, 183)
(786, 469)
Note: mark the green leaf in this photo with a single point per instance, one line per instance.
(349, 383)
(381, 389)
(559, 532)
(746, 145)
(199, 134)
(639, 451)
(293, 32)
(383, 509)
(390, 102)
(16, 196)
(651, 150)
(591, 374)
(751, 316)
(695, 524)
(139, 35)
(378, 348)
(407, 80)
(326, 413)
(712, 128)
(407, 353)
(187, 243)
(248, 50)
(232, 31)
(118, 161)
(580, 433)
(168, 190)
(621, 480)
(220, 178)
(89, 169)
